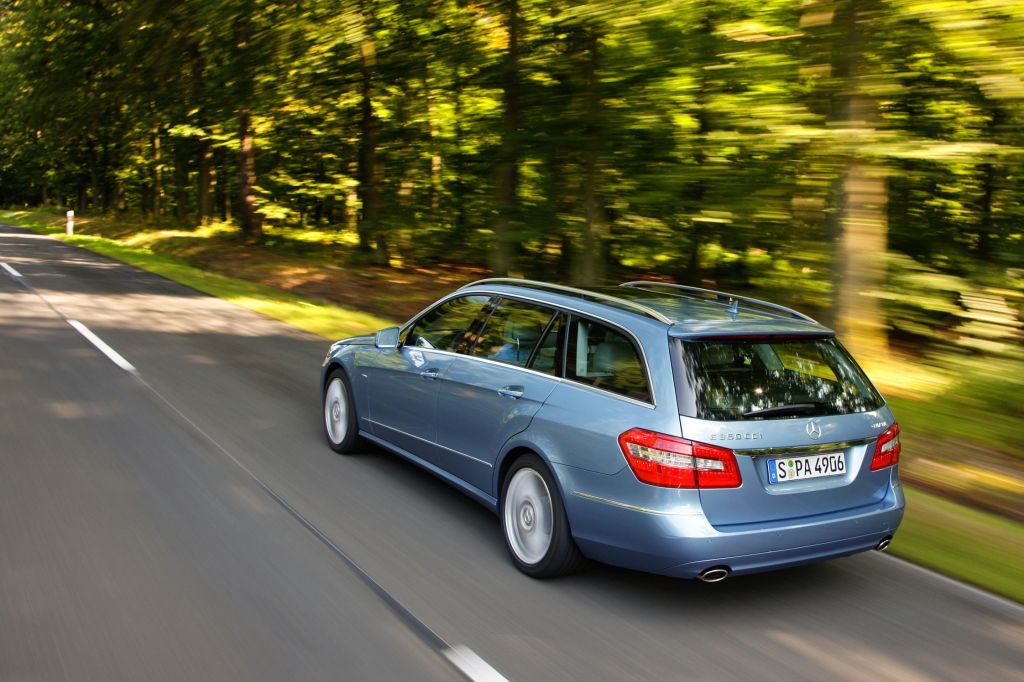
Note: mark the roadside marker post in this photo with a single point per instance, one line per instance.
(71, 223)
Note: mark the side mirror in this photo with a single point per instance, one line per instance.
(387, 338)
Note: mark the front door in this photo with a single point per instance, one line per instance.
(403, 382)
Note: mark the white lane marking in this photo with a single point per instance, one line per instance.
(11, 271)
(471, 665)
(114, 356)
(995, 599)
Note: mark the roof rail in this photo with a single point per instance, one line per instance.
(732, 300)
(622, 303)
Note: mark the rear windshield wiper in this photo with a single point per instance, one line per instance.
(780, 410)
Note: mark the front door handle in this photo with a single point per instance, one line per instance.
(429, 373)
(513, 392)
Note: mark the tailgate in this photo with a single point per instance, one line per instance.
(802, 441)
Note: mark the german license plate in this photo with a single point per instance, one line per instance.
(786, 469)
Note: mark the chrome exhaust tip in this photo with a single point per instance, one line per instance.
(714, 575)
(883, 544)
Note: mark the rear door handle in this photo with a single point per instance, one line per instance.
(511, 391)
(429, 373)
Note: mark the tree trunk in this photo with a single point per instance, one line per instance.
(204, 148)
(861, 249)
(106, 181)
(181, 179)
(698, 190)
(205, 181)
(459, 223)
(507, 182)
(248, 218)
(94, 176)
(434, 198)
(156, 173)
(221, 165)
(861, 261)
(985, 225)
(369, 171)
(595, 226)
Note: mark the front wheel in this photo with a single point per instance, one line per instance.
(534, 522)
(340, 414)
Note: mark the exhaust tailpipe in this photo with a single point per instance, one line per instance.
(714, 575)
(883, 544)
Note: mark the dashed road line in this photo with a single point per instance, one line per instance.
(102, 346)
(471, 665)
(10, 270)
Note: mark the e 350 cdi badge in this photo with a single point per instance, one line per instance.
(664, 428)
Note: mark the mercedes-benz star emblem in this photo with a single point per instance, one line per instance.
(814, 430)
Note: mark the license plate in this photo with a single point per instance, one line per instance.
(786, 469)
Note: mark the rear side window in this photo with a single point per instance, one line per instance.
(604, 358)
(729, 380)
(512, 332)
(453, 326)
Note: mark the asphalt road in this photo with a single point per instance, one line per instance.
(184, 520)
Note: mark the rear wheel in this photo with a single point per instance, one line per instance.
(340, 414)
(534, 521)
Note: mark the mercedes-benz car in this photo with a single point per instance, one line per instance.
(665, 428)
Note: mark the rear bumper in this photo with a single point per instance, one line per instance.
(685, 544)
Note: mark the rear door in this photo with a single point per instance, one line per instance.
(489, 396)
(783, 406)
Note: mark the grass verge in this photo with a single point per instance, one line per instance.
(329, 321)
(974, 546)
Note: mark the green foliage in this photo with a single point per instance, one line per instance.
(700, 140)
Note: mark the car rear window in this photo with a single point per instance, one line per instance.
(739, 379)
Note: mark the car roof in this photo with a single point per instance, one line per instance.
(689, 312)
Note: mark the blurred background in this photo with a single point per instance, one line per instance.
(861, 160)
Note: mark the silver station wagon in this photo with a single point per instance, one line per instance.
(664, 428)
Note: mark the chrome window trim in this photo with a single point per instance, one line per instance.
(799, 449)
(652, 403)
(430, 442)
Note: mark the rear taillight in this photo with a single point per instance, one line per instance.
(671, 462)
(887, 450)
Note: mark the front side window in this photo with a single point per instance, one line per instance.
(773, 379)
(604, 358)
(512, 332)
(453, 326)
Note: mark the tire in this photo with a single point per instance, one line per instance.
(339, 414)
(533, 521)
